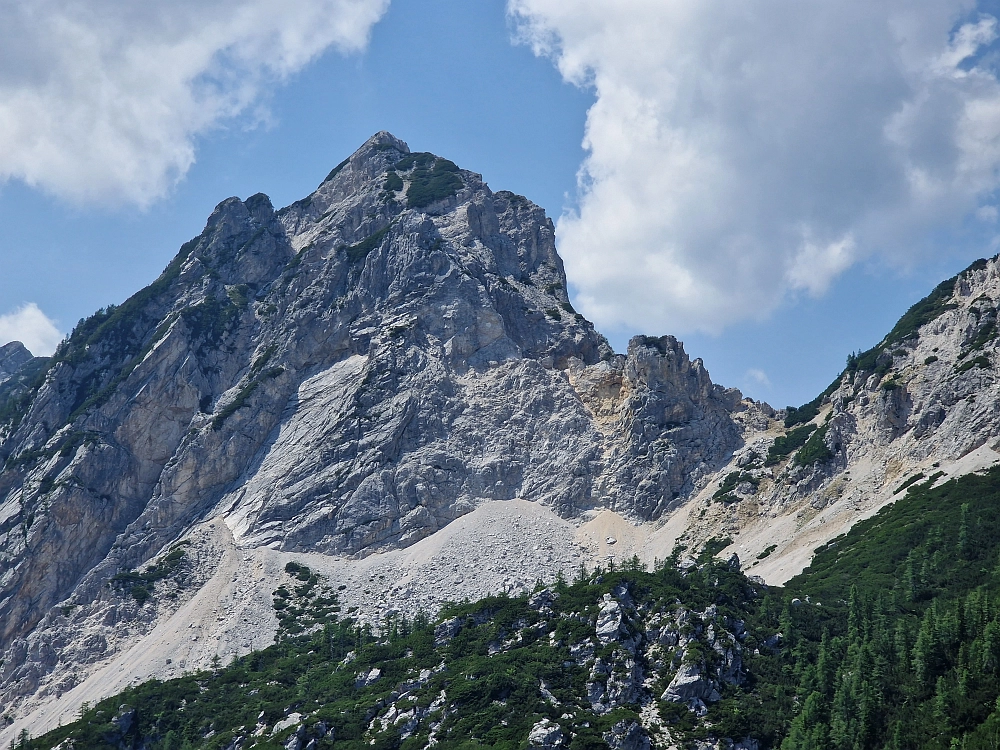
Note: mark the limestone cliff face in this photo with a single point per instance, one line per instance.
(666, 423)
(347, 374)
(13, 357)
(921, 406)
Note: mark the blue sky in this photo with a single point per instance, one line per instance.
(446, 77)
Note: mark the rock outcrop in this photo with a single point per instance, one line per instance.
(13, 357)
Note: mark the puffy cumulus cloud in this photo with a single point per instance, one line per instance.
(100, 101)
(33, 328)
(741, 152)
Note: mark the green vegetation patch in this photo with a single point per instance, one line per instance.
(140, 584)
(910, 481)
(890, 639)
(729, 484)
(120, 335)
(393, 182)
(432, 179)
(211, 319)
(788, 443)
(336, 170)
(982, 362)
(923, 312)
(473, 678)
(307, 604)
(65, 446)
(807, 412)
(360, 250)
(767, 551)
(907, 651)
(239, 295)
(243, 396)
(931, 307)
(814, 450)
(986, 334)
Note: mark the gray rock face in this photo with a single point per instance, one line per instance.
(13, 357)
(692, 687)
(920, 404)
(669, 423)
(609, 621)
(348, 374)
(17, 370)
(546, 734)
(627, 736)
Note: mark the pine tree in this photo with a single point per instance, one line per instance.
(940, 703)
(924, 648)
(991, 648)
(911, 582)
(825, 667)
(901, 646)
(854, 616)
(963, 533)
(808, 730)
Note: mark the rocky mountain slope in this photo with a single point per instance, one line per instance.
(921, 406)
(891, 638)
(386, 381)
(344, 376)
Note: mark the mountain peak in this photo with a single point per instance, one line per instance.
(380, 143)
(345, 376)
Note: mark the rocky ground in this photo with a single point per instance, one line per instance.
(502, 546)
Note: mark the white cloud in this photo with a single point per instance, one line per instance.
(739, 152)
(33, 328)
(758, 377)
(100, 101)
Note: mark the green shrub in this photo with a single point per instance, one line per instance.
(431, 180)
(787, 443)
(767, 551)
(393, 182)
(814, 450)
(140, 585)
(985, 335)
(239, 295)
(912, 480)
(336, 170)
(807, 412)
(360, 250)
(243, 396)
(982, 362)
(732, 480)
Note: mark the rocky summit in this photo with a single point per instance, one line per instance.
(342, 416)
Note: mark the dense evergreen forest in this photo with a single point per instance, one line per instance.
(890, 639)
